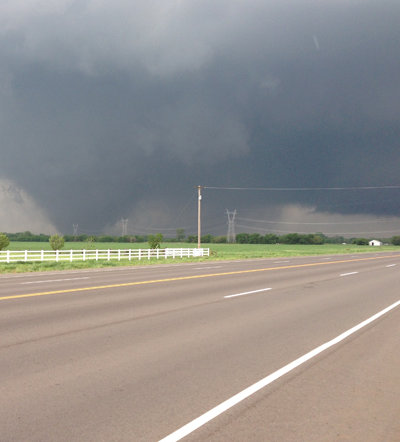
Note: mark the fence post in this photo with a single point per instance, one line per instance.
(158, 253)
(8, 256)
(26, 255)
(149, 253)
(42, 255)
(71, 255)
(129, 254)
(139, 253)
(57, 255)
(119, 254)
(84, 254)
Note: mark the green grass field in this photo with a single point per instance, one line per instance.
(240, 251)
(218, 252)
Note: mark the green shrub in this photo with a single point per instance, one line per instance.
(4, 241)
(396, 240)
(360, 241)
(155, 240)
(56, 242)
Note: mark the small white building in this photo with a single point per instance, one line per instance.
(375, 242)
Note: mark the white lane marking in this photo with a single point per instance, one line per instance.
(247, 293)
(279, 262)
(54, 280)
(391, 265)
(201, 268)
(34, 274)
(219, 409)
(345, 274)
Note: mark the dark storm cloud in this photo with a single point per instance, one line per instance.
(116, 109)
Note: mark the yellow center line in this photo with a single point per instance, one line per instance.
(181, 278)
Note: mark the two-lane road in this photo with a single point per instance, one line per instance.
(137, 353)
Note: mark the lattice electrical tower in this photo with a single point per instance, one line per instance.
(75, 226)
(231, 237)
(124, 227)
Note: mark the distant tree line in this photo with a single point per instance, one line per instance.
(28, 237)
(106, 238)
(290, 238)
(241, 238)
(270, 238)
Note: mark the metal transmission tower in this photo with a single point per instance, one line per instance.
(124, 227)
(231, 237)
(75, 226)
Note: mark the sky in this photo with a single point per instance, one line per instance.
(115, 109)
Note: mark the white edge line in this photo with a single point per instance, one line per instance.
(246, 293)
(345, 274)
(206, 417)
(54, 280)
(391, 265)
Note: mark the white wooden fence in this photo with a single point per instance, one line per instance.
(84, 255)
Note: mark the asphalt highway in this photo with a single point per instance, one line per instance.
(141, 353)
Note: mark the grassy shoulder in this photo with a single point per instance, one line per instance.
(218, 252)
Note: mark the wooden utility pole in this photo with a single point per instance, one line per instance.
(199, 218)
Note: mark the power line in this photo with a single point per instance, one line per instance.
(286, 222)
(164, 229)
(86, 231)
(182, 211)
(209, 222)
(325, 233)
(299, 189)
